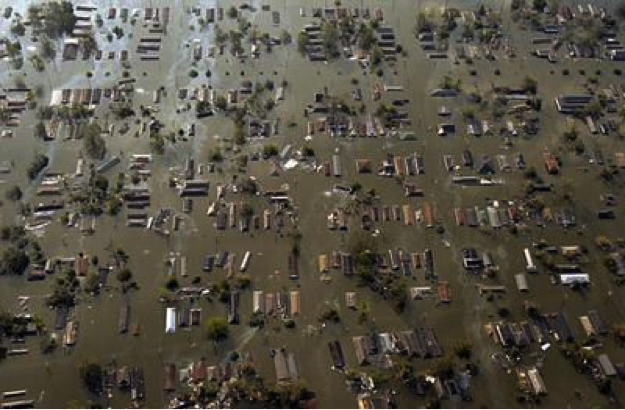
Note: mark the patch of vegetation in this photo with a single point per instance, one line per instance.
(18, 29)
(308, 151)
(157, 143)
(14, 261)
(215, 155)
(270, 150)
(93, 142)
(329, 314)
(14, 193)
(330, 36)
(64, 290)
(449, 83)
(122, 109)
(92, 374)
(302, 41)
(217, 328)
(54, 18)
(172, 284)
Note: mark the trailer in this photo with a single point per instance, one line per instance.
(529, 262)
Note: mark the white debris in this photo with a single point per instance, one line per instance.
(290, 164)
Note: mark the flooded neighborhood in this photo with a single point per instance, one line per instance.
(312, 204)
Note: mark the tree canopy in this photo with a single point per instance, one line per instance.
(93, 143)
(217, 328)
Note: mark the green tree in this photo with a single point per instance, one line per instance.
(247, 211)
(14, 261)
(93, 143)
(217, 328)
(14, 193)
(124, 275)
(367, 38)
(330, 35)
(122, 109)
(463, 349)
(57, 18)
(530, 85)
(91, 375)
(239, 134)
(364, 308)
(216, 155)
(171, 284)
(18, 29)
(244, 281)
(221, 103)
(40, 131)
(270, 150)
(302, 41)
(157, 143)
(92, 282)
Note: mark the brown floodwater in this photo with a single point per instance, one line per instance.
(53, 380)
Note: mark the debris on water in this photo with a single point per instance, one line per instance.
(290, 164)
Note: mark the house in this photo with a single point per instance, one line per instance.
(294, 303)
(323, 263)
(597, 322)
(486, 167)
(409, 216)
(606, 365)
(363, 166)
(471, 259)
(360, 349)
(170, 377)
(400, 169)
(123, 377)
(411, 190)
(619, 263)
(617, 55)
(445, 129)
(536, 381)
(493, 217)
(471, 217)
(572, 103)
(444, 292)
(587, 326)
(336, 352)
(474, 128)
(82, 265)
